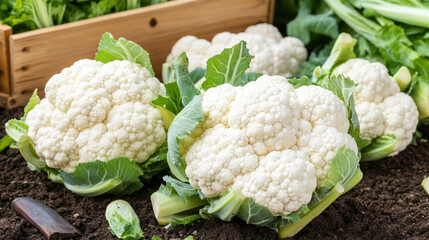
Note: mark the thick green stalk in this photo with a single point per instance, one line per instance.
(27, 151)
(132, 4)
(340, 53)
(403, 78)
(41, 14)
(5, 142)
(379, 148)
(420, 94)
(227, 206)
(167, 207)
(291, 229)
(359, 23)
(418, 16)
(166, 116)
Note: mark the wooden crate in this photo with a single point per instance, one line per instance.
(29, 59)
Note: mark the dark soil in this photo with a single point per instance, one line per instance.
(389, 203)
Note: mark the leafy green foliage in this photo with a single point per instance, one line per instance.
(340, 53)
(365, 49)
(176, 203)
(380, 147)
(307, 23)
(253, 213)
(25, 15)
(248, 77)
(5, 142)
(185, 190)
(123, 221)
(409, 12)
(226, 206)
(298, 82)
(181, 89)
(392, 43)
(173, 100)
(184, 221)
(34, 100)
(116, 176)
(419, 91)
(197, 74)
(182, 126)
(316, 59)
(110, 50)
(156, 164)
(25, 145)
(16, 129)
(184, 81)
(228, 66)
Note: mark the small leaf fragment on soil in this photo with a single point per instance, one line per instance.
(49, 222)
(425, 184)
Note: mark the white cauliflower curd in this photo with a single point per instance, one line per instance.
(273, 142)
(381, 107)
(274, 55)
(96, 111)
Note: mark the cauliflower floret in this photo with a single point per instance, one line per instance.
(267, 111)
(374, 80)
(217, 103)
(248, 140)
(321, 107)
(400, 119)
(321, 145)
(217, 158)
(274, 55)
(266, 30)
(371, 120)
(57, 89)
(291, 179)
(97, 111)
(381, 108)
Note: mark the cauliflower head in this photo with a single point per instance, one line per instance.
(382, 109)
(96, 111)
(274, 55)
(271, 141)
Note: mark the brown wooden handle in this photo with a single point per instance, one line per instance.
(49, 222)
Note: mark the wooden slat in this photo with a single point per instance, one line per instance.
(271, 9)
(7, 101)
(5, 32)
(37, 55)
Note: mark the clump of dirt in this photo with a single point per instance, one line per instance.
(389, 203)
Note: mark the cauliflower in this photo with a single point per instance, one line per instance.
(271, 141)
(274, 55)
(267, 149)
(381, 107)
(97, 111)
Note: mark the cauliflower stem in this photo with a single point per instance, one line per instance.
(379, 148)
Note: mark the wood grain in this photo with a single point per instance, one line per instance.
(5, 32)
(39, 54)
